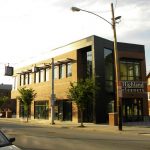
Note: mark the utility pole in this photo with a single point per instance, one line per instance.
(117, 72)
(52, 93)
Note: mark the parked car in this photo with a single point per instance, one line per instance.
(6, 143)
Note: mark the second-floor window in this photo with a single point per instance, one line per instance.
(47, 74)
(56, 72)
(61, 71)
(22, 79)
(42, 75)
(30, 78)
(37, 76)
(68, 69)
(130, 70)
(26, 78)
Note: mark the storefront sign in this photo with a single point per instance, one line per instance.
(9, 71)
(132, 87)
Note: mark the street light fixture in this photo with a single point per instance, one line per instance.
(117, 76)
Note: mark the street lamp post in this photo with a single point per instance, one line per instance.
(113, 24)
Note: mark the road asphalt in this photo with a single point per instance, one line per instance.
(137, 128)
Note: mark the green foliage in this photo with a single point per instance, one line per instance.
(26, 97)
(82, 92)
(3, 100)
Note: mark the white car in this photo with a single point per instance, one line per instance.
(6, 143)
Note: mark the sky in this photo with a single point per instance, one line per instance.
(30, 29)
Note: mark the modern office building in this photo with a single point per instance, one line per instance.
(89, 57)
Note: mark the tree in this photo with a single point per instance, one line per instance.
(26, 97)
(81, 93)
(3, 100)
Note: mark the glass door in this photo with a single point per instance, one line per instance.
(132, 110)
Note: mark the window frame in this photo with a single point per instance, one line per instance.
(128, 76)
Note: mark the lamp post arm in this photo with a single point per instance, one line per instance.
(96, 15)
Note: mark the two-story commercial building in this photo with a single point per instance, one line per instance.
(89, 57)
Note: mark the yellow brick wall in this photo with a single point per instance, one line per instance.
(43, 89)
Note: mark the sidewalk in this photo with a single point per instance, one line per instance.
(132, 128)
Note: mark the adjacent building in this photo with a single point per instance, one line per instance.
(5, 90)
(86, 58)
(9, 105)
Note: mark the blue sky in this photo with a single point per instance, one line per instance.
(29, 29)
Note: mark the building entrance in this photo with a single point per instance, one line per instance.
(63, 110)
(132, 110)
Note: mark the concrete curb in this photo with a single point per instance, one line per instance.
(135, 129)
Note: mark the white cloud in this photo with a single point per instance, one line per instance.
(30, 28)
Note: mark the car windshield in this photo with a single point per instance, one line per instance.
(3, 140)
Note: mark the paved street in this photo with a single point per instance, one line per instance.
(41, 136)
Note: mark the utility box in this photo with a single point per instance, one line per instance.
(113, 119)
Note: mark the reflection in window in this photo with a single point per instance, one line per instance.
(22, 110)
(61, 71)
(42, 75)
(89, 64)
(37, 77)
(108, 59)
(130, 70)
(22, 79)
(56, 72)
(30, 78)
(16, 79)
(47, 74)
(69, 69)
(26, 78)
(41, 109)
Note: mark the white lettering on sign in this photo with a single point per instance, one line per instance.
(132, 87)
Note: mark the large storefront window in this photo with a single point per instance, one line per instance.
(132, 110)
(23, 111)
(63, 110)
(41, 109)
(130, 70)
